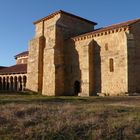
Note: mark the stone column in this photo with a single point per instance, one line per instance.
(18, 85)
(13, 84)
(7, 83)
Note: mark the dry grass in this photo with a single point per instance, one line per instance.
(34, 117)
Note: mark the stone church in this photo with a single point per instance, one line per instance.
(69, 56)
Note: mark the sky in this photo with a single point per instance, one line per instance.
(17, 17)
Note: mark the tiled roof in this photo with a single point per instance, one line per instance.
(22, 54)
(119, 25)
(2, 67)
(20, 68)
(114, 26)
(63, 12)
(122, 24)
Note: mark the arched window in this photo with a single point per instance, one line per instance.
(106, 46)
(111, 65)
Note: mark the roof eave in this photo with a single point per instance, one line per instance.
(9, 73)
(99, 31)
(134, 22)
(63, 12)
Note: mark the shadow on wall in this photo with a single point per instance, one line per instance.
(68, 72)
(72, 69)
(13, 83)
(68, 79)
(73, 72)
(97, 67)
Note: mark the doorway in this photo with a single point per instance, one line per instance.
(77, 88)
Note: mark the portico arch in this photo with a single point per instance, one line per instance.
(15, 83)
(20, 83)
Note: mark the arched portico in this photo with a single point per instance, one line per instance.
(13, 82)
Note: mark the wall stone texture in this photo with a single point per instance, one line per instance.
(62, 63)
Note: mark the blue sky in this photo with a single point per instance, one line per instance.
(17, 16)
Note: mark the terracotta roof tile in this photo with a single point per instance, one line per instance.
(114, 26)
(22, 54)
(2, 67)
(63, 12)
(20, 68)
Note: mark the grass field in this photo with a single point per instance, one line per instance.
(36, 117)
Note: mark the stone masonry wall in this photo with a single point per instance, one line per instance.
(113, 46)
(34, 68)
(57, 63)
(134, 44)
(72, 66)
(79, 66)
(49, 58)
(91, 64)
(72, 26)
(67, 26)
(86, 64)
(49, 69)
(58, 31)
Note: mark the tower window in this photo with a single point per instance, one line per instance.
(106, 46)
(111, 65)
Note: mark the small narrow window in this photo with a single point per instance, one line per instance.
(106, 46)
(111, 65)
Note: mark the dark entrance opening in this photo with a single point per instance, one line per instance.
(77, 88)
